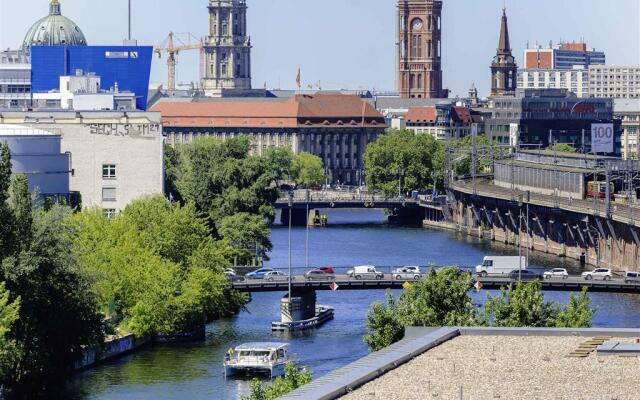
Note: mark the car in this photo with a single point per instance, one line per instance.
(318, 275)
(631, 277)
(598, 273)
(556, 273)
(230, 273)
(328, 270)
(259, 274)
(523, 274)
(276, 276)
(365, 272)
(407, 269)
(406, 275)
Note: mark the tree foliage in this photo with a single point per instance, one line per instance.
(307, 170)
(279, 161)
(7, 237)
(248, 233)
(9, 351)
(402, 161)
(293, 378)
(563, 148)
(383, 326)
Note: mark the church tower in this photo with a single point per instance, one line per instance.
(227, 58)
(419, 49)
(504, 70)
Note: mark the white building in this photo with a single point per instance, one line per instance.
(38, 154)
(628, 110)
(116, 157)
(15, 80)
(615, 81)
(576, 80)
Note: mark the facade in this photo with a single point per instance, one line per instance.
(504, 69)
(125, 67)
(575, 80)
(614, 81)
(38, 154)
(628, 111)
(335, 127)
(543, 117)
(227, 48)
(116, 157)
(563, 56)
(54, 30)
(15, 79)
(442, 121)
(419, 53)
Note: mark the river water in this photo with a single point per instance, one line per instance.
(194, 371)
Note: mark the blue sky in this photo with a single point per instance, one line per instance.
(349, 43)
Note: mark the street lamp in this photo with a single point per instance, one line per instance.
(290, 215)
(306, 246)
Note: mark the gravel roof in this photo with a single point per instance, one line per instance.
(508, 367)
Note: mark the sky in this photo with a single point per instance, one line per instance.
(348, 43)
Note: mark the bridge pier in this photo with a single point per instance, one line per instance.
(406, 215)
(301, 306)
(299, 216)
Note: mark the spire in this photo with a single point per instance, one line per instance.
(504, 46)
(54, 7)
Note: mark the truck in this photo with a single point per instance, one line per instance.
(500, 265)
(365, 272)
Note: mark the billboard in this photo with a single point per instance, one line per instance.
(602, 138)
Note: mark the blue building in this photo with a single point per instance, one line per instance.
(128, 66)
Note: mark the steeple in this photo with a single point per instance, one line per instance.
(504, 46)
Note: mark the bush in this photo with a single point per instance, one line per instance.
(294, 378)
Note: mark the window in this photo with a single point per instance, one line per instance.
(108, 171)
(108, 194)
(109, 213)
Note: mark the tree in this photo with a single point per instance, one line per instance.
(171, 172)
(294, 378)
(20, 201)
(383, 325)
(9, 352)
(308, 170)
(563, 147)
(279, 161)
(401, 161)
(576, 314)
(246, 232)
(7, 237)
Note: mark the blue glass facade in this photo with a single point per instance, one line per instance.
(129, 66)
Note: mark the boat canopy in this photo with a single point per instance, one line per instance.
(261, 346)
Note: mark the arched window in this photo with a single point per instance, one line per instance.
(412, 81)
(429, 23)
(420, 81)
(429, 49)
(414, 46)
(419, 45)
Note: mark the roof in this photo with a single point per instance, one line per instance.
(23, 130)
(461, 115)
(422, 114)
(626, 106)
(261, 346)
(321, 109)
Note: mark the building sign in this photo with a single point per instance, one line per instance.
(125, 129)
(602, 138)
(514, 137)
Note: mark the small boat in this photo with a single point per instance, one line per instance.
(268, 358)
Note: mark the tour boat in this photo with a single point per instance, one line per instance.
(267, 358)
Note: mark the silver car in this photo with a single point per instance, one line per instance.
(276, 276)
(556, 273)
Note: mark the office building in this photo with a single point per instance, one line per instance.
(628, 111)
(614, 81)
(563, 56)
(442, 121)
(15, 79)
(575, 80)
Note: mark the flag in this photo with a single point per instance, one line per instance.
(334, 286)
(298, 81)
(478, 286)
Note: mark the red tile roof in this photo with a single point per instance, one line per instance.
(422, 114)
(322, 109)
(461, 115)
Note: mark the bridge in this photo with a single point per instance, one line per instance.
(402, 208)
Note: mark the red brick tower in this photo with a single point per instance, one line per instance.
(419, 54)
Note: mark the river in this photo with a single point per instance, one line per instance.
(194, 371)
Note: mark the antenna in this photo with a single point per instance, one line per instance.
(129, 19)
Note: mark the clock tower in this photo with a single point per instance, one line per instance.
(419, 49)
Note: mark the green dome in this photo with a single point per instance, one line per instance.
(54, 30)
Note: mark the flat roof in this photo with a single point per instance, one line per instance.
(261, 346)
(508, 367)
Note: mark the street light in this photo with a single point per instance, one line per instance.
(290, 208)
(306, 246)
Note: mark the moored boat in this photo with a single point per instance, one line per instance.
(258, 358)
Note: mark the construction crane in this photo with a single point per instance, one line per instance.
(173, 45)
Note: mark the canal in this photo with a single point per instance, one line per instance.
(194, 371)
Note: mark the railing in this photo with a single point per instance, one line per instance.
(300, 196)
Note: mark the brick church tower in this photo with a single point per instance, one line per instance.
(419, 53)
(504, 70)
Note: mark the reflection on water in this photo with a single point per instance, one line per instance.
(194, 371)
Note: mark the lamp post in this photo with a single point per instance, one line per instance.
(520, 239)
(306, 244)
(290, 208)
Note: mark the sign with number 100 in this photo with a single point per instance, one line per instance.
(602, 138)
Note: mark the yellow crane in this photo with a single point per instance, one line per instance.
(173, 45)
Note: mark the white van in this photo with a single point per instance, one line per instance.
(498, 265)
(365, 272)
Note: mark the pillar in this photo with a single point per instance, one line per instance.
(301, 306)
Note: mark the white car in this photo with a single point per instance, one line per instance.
(407, 269)
(275, 276)
(556, 273)
(598, 273)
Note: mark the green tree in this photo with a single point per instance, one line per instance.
(293, 379)
(7, 237)
(383, 325)
(20, 201)
(577, 313)
(279, 161)
(308, 170)
(401, 161)
(563, 148)
(171, 172)
(246, 232)
(9, 352)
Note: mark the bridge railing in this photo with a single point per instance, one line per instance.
(333, 196)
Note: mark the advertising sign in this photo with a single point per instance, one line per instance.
(602, 138)
(514, 137)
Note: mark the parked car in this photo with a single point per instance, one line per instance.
(328, 270)
(275, 276)
(631, 277)
(259, 274)
(598, 273)
(524, 274)
(407, 269)
(365, 272)
(556, 273)
(318, 275)
(500, 265)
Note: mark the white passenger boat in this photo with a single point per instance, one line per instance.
(267, 358)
